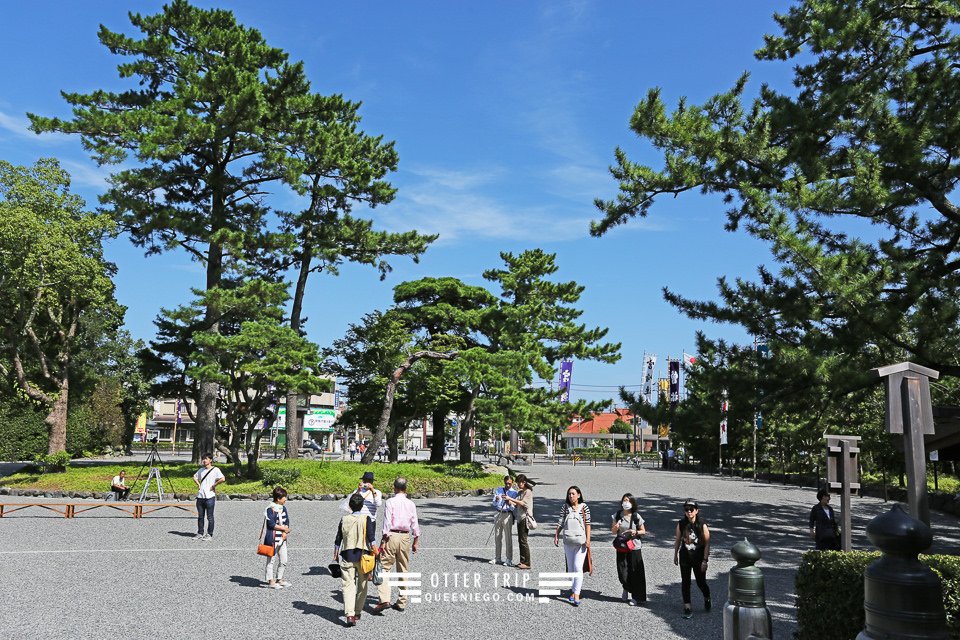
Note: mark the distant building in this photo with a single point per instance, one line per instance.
(595, 431)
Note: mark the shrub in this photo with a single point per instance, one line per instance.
(830, 593)
(23, 433)
(468, 471)
(52, 462)
(279, 477)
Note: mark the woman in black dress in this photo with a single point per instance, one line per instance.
(823, 523)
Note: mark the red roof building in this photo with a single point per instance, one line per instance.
(596, 430)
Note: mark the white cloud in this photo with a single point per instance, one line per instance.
(20, 126)
(457, 180)
(459, 206)
(87, 174)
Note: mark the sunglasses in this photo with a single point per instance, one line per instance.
(689, 509)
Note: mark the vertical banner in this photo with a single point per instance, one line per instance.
(674, 367)
(724, 408)
(566, 374)
(649, 363)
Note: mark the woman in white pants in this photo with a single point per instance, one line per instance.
(574, 525)
(277, 525)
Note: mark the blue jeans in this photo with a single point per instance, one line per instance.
(205, 506)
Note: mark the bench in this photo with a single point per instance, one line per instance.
(71, 509)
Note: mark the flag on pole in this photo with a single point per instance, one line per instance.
(689, 360)
(566, 375)
(723, 431)
(674, 367)
(649, 363)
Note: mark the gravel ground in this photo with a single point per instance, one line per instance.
(106, 575)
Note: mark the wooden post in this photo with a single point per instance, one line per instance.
(913, 450)
(842, 468)
(910, 412)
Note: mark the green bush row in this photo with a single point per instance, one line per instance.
(279, 477)
(830, 593)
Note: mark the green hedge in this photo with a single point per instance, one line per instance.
(830, 593)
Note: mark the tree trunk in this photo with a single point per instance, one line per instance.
(293, 428)
(437, 446)
(206, 419)
(381, 429)
(56, 420)
(466, 450)
(393, 450)
(206, 424)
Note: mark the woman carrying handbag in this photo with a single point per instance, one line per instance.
(628, 527)
(276, 528)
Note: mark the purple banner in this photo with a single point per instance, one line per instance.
(566, 373)
(674, 366)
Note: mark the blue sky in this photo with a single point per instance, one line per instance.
(505, 116)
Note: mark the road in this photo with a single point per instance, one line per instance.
(106, 575)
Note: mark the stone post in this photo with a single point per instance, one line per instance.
(745, 614)
(903, 598)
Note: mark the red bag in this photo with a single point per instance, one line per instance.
(266, 550)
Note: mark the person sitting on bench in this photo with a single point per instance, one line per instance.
(119, 486)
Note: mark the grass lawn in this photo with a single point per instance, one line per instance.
(315, 477)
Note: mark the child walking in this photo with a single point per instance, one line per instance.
(277, 527)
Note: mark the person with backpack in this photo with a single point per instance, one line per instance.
(628, 527)
(691, 549)
(355, 537)
(574, 524)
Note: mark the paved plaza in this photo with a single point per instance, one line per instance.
(104, 575)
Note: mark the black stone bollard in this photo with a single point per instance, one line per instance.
(745, 614)
(903, 598)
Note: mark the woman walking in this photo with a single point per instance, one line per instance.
(691, 550)
(575, 526)
(524, 514)
(628, 527)
(276, 523)
(355, 536)
(823, 524)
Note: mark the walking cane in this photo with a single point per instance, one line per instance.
(494, 528)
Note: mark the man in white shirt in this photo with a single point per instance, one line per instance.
(207, 478)
(119, 486)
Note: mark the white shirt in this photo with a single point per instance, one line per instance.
(118, 481)
(209, 478)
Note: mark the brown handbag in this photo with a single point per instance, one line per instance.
(266, 550)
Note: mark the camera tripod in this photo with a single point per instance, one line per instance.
(154, 462)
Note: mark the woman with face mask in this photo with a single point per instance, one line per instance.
(628, 527)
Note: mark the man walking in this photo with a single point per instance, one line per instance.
(400, 525)
(503, 522)
(207, 478)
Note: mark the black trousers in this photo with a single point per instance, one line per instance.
(632, 574)
(121, 493)
(828, 544)
(692, 562)
(522, 541)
